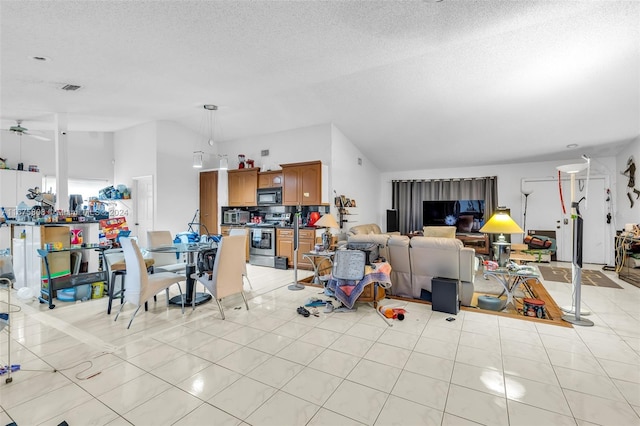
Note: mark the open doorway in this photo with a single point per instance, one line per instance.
(544, 212)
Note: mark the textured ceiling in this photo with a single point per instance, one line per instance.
(414, 84)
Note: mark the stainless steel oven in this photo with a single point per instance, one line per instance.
(262, 245)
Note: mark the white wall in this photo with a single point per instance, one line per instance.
(16, 149)
(177, 182)
(292, 146)
(134, 156)
(359, 182)
(625, 213)
(90, 154)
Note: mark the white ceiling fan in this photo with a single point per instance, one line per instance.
(19, 130)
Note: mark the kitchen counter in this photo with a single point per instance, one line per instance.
(249, 225)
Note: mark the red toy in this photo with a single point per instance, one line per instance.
(395, 313)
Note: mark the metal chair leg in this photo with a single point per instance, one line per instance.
(220, 307)
(245, 300)
(119, 310)
(249, 281)
(133, 316)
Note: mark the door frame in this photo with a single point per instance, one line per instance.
(142, 239)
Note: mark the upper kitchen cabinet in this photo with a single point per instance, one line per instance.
(271, 179)
(302, 184)
(243, 185)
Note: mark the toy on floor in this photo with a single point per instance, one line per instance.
(5, 369)
(395, 313)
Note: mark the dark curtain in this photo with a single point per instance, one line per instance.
(408, 195)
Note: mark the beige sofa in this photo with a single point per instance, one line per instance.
(415, 261)
(369, 228)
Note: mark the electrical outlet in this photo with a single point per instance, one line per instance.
(359, 161)
(264, 153)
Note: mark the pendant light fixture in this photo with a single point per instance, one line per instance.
(198, 156)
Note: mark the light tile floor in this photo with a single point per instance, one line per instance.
(271, 366)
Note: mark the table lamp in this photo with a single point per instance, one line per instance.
(501, 223)
(327, 221)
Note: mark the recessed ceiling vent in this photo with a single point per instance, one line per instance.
(70, 87)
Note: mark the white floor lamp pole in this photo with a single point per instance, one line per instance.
(574, 316)
(296, 231)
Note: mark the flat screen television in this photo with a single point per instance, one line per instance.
(466, 215)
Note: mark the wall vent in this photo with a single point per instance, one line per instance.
(70, 87)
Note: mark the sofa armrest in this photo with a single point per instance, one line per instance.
(469, 264)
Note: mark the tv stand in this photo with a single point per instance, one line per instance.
(477, 241)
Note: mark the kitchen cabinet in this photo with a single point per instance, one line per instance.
(302, 184)
(271, 179)
(224, 231)
(284, 245)
(243, 185)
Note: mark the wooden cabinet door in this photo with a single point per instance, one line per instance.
(271, 179)
(310, 190)
(302, 184)
(284, 244)
(235, 190)
(209, 201)
(306, 243)
(250, 187)
(291, 186)
(243, 184)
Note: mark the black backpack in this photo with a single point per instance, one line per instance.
(206, 259)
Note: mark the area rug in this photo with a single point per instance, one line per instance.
(589, 277)
(553, 314)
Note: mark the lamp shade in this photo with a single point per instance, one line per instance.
(327, 221)
(501, 223)
(573, 168)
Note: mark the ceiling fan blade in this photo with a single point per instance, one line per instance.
(42, 138)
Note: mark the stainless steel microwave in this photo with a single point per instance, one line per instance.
(269, 196)
(236, 217)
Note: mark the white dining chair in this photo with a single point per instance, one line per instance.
(164, 261)
(226, 277)
(141, 286)
(245, 232)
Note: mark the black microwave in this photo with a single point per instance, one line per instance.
(269, 196)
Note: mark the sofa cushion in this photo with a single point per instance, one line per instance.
(439, 231)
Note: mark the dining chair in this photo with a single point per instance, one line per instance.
(245, 232)
(164, 261)
(141, 286)
(116, 267)
(226, 277)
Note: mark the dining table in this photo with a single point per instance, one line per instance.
(191, 249)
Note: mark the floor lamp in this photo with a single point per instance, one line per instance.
(526, 192)
(574, 316)
(296, 231)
